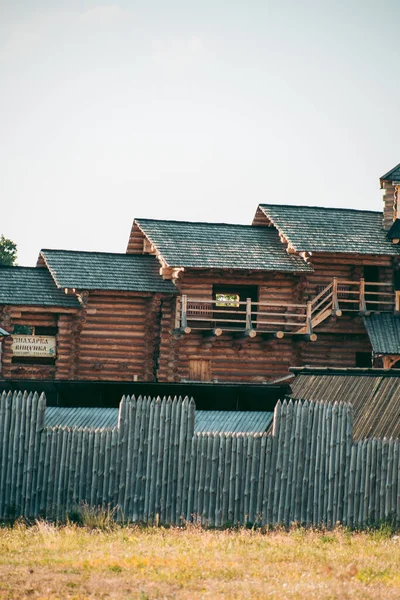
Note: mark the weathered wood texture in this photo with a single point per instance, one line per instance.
(153, 468)
(389, 204)
(333, 350)
(117, 335)
(18, 315)
(230, 357)
(136, 241)
(128, 336)
(344, 266)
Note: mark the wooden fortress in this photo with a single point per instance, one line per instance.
(301, 285)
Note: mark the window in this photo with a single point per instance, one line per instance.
(34, 330)
(228, 300)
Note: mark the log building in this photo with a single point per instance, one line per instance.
(213, 302)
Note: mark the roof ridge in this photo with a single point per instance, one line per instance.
(20, 267)
(137, 220)
(375, 212)
(95, 252)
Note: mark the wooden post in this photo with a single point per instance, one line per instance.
(309, 318)
(216, 332)
(181, 323)
(335, 301)
(249, 325)
(184, 312)
(363, 305)
(178, 313)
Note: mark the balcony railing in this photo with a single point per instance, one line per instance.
(280, 318)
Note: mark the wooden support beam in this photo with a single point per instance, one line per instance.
(182, 331)
(16, 313)
(249, 324)
(184, 312)
(251, 333)
(307, 337)
(279, 335)
(216, 332)
(335, 302)
(363, 306)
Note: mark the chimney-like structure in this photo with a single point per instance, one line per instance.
(390, 185)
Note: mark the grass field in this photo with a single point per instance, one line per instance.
(45, 561)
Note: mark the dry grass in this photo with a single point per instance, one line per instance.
(45, 561)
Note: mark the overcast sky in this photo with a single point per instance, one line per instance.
(192, 110)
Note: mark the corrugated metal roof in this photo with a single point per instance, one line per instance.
(106, 271)
(206, 420)
(79, 416)
(220, 245)
(232, 421)
(375, 398)
(384, 332)
(320, 229)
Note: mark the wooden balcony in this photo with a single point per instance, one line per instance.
(248, 318)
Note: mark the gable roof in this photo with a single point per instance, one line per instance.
(220, 246)
(373, 393)
(32, 286)
(384, 332)
(392, 175)
(318, 229)
(106, 271)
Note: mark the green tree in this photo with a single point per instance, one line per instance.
(8, 252)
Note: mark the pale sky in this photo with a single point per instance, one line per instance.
(191, 110)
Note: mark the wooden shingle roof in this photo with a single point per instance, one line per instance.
(318, 229)
(33, 287)
(106, 271)
(220, 246)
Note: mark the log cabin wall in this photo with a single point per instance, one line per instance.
(334, 350)
(390, 201)
(136, 240)
(340, 339)
(226, 358)
(12, 368)
(345, 266)
(118, 336)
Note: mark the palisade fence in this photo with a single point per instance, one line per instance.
(153, 468)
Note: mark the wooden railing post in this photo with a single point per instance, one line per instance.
(184, 312)
(309, 317)
(249, 325)
(335, 300)
(363, 304)
(178, 313)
